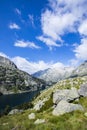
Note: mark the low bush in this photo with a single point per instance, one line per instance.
(25, 106)
(48, 104)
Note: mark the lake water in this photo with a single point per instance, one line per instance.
(16, 99)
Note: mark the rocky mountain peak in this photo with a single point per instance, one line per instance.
(80, 70)
(7, 63)
(14, 80)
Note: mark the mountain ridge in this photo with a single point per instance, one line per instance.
(13, 80)
(53, 75)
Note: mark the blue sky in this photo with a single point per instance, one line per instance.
(37, 35)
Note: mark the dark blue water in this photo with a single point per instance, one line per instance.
(16, 99)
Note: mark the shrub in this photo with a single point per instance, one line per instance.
(25, 106)
(48, 104)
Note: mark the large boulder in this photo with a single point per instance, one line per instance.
(65, 94)
(39, 121)
(65, 107)
(83, 90)
(31, 116)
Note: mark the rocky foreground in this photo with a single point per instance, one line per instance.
(61, 107)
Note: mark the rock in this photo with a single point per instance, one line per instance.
(15, 111)
(85, 114)
(39, 104)
(66, 94)
(39, 121)
(65, 107)
(83, 90)
(31, 116)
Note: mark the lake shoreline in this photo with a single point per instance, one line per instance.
(13, 100)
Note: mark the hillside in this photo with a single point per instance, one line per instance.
(80, 70)
(13, 80)
(41, 116)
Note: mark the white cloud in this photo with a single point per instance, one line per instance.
(32, 67)
(14, 26)
(63, 16)
(83, 28)
(24, 44)
(28, 66)
(81, 50)
(48, 41)
(18, 11)
(4, 55)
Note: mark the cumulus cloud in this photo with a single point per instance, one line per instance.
(28, 66)
(14, 26)
(83, 28)
(24, 44)
(63, 16)
(32, 67)
(48, 41)
(4, 55)
(81, 50)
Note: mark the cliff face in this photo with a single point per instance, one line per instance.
(14, 80)
(80, 70)
(53, 75)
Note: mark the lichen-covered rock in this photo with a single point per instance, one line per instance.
(83, 90)
(65, 107)
(65, 94)
(15, 111)
(31, 116)
(39, 121)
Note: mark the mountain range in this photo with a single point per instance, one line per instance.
(53, 75)
(80, 70)
(13, 80)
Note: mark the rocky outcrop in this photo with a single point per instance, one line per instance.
(15, 111)
(39, 121)
(80, 70)
(65, 94)
(14, 80)
(31, 116)
(39, 104)
(54, 74)
(63, 98)
(83, 90)
(65, 107)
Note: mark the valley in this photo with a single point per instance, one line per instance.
(61, 105)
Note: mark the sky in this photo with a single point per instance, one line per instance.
(40, 34)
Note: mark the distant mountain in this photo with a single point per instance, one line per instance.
(13, 80)
(53, 75)
(80, 70)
